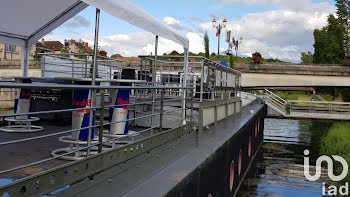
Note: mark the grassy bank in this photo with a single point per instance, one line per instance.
(337, 142)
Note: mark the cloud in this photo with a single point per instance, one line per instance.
(172, 22)
(76, 22)
(291, 4)
(142, 43)
(282, 34)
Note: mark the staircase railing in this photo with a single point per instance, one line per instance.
(276, 102)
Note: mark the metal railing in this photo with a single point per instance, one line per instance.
(276, 102)
(77, 65)
(318, 107)
(209, 79)
(161, 124)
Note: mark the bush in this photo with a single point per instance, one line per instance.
(347, 60)
(257, 57)
(337, 142)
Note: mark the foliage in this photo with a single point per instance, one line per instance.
(343, 13)
(345, 94)
(37, 57)
(206, 44)
(329, 42)
(116, 56)
(347, 60)
(65, 50)
(231, 61)
(307, 58)
(81, 51)
(257, 57)
(337, 142)
(103, 53)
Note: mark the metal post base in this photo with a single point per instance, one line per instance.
(74, 146)
(21, 126)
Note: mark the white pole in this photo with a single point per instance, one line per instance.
(93, 92)
(25, 59)
(184, 85)
(154, 74)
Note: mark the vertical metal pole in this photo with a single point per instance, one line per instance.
(219, 41)
(93, 92)
(86, 66)
(43, 66)
(202, 82)
(24, 59)
(154, 74)
(184, 85)
(100, 133)
(72, 68)
(161, 110)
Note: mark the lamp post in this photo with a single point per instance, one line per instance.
(236, 43)
(218, 25)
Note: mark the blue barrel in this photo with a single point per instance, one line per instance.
(80, 118)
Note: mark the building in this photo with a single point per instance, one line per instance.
(13, 52)
(78, 47)
(50, 46)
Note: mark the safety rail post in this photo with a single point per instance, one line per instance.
(202, 83)
(215, 119)
(161, 111)
(100, 133)
(43, 66)
(86, 66)
(72, 68)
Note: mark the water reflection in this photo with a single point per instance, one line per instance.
(278, 168)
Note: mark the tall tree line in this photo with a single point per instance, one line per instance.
(332, 42)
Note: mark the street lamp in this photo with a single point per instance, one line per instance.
(218, 26)
(236, 43)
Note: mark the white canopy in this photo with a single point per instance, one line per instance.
(23, 22)
(130, 13)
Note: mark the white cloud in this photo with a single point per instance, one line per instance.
(282, 34)
(170, 20)
(291, 4)
(142, 43)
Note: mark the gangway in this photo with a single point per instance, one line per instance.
(307, 109)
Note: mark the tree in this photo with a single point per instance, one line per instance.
(257, 58)
(65, 50)
(307, 58)
(103, 53)
(206, 44)
(343, 13)
(329, 43)
(231, 61)
(116, 56)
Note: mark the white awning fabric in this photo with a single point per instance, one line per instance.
(132, 14)
(23, 22)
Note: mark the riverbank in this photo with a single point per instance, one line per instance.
(337, 142)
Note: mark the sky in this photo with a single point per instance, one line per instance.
(279, 29)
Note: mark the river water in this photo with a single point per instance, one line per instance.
(278, 168)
